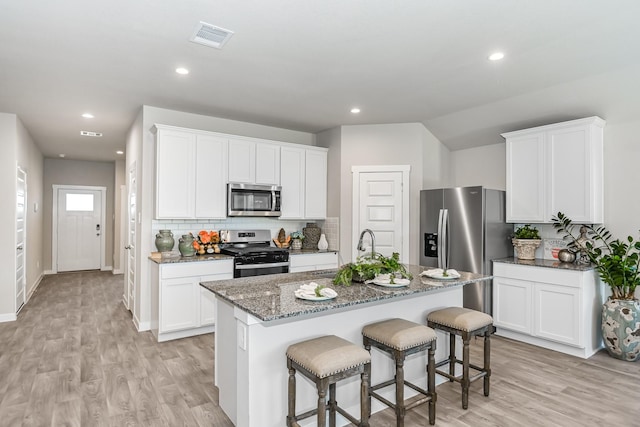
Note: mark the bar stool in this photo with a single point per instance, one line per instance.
(466, 323)
(325, 361)
(400, 338)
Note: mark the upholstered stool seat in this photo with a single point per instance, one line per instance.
(400, 338)
(325, 361)
(467, 323)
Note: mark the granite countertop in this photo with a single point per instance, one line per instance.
(548, 263)
(271, 297)
(176, 258)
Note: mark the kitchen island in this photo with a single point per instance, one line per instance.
(257, 318)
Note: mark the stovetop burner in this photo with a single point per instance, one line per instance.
(253, 249)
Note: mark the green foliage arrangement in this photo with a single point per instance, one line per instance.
(297, 235)
(617, 261)
(526, 232)
(369, 266)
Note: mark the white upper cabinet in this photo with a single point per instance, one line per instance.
(175, 175)
(292, 178)
(267, 163)
(254, 162)
(315, 187)
(556, 168)
(191, 172)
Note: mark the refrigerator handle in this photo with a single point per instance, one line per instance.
(446, 246)
(441, 238)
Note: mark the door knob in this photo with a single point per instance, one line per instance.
(127, 247)
(20, 248)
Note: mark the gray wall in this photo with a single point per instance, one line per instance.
(77, 172)
(18, 148)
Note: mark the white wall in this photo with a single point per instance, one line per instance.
(485, 166)
(392, 144)
(118, 245)
(8, 139)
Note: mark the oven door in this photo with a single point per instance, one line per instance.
(249, 270)
(253, 200)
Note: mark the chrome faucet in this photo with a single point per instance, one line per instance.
(373, 241)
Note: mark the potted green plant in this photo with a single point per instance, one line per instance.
(368, 266)
(617, 263)
(296, 240)
(526, 240)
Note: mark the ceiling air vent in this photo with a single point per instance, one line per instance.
(210, 35)
(88, 133)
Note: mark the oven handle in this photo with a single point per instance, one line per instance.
(267, 265)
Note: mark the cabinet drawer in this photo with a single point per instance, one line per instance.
(324, 260)
(191, 269)
(554, 276)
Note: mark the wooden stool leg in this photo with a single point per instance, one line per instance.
(487, 360)
(322, 404)
(332, 405)
(365, 397)
(452, 355)
(399, 389)
(291, 395)
(431, 383)
(465, 372)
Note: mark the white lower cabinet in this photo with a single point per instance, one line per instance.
(180, 306)
(553, 308)
(313, 261)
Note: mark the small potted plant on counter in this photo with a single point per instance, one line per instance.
(367, 267)
(296, 240)
(526, 240)
(618, 264)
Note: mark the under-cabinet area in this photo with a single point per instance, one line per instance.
(180, 307)
(549, 304)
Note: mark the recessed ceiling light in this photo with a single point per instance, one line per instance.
(355, 110)
(119, 152)
(182, 70)
(60, 155)
(87, 116)
(496, 56)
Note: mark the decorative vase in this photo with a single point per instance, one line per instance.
(565, 255)
(185, 245)
(165, 241)
(296, 244)
(311, 236)
(323, 245)
(621, 328)
(526, 248)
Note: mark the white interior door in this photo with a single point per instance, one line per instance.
(381, 205)
(21, 224)
(80, 228)
(130, 276)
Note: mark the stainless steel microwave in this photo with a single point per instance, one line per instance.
(253, 200)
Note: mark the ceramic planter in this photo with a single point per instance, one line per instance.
(526, 248)
(621, 328)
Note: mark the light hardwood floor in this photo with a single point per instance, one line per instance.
(74, 358)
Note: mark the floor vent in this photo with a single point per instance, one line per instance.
(210, 35)
(88, 133)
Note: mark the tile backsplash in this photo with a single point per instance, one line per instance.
(184, 226)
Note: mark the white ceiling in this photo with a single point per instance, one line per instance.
(302, 64)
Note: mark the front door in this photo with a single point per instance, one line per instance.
(21, 224)
(80, 229)
(381, 206)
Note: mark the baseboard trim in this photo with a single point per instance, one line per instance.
(49, 272)
(144, 326)
(106, 268)
(35, 287)
(9, 317)
(118, 271)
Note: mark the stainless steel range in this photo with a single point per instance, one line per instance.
(253, 253)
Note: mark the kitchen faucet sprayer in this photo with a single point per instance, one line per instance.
(373, 241)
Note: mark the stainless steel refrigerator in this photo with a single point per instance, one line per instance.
(465, 228)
